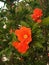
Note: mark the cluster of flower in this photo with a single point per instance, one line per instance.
(37, 14)
(24, 33)
(24, 38)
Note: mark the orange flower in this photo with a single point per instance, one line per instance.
(24, 34)
(39, 20)
(37, 14)
(15, 44)
(21, 47)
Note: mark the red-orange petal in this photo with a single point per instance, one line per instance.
(20, 33)
(15, 44)
(22, 47)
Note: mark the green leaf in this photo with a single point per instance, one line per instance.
(39, 45)
(23, 23)
(45, 21)
(3, 51)
(13, 37)
(35, 27)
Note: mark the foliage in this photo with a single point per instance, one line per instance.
(18, 14)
